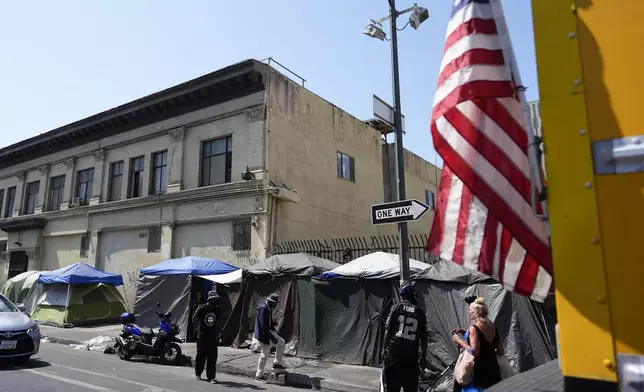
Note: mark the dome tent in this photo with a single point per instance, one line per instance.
(17, 288)
(177, 285)
(75, 295)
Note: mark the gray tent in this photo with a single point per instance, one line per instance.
(351, 314)
(521, 322)
(290, 276)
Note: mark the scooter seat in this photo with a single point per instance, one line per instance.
(146, 331)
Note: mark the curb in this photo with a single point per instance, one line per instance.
(295, 380)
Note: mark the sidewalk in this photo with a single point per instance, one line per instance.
(302, 372)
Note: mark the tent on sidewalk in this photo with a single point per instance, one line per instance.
(352, 302)
(75, 295)
(17, 288)
(177, 286)
(289, 275)
(441, 290)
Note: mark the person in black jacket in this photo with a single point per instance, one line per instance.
(267, 337)
(205, 318)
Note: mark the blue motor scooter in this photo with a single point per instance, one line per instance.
(135, 340)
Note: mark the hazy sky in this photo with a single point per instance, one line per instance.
(65, 60)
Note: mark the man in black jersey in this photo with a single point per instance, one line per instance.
(405, 329)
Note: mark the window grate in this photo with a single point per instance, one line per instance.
(241, 235)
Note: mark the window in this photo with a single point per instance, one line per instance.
(159, 173)
(1, 199)
(116, 180)
(241, 235)
(216, 161)
(56, 190)
(154, 239)
(430, 199)
(84, 186)
(31, 197)
(84, 245)
(136, 177)
(346, 167)
(11, 199)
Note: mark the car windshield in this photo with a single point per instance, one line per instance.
(6, 306)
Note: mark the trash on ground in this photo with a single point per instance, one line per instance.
(99, 343)
(45, 340)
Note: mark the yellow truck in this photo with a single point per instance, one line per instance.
(590, 59)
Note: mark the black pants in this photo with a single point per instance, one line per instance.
(400, 376)
(207, 354)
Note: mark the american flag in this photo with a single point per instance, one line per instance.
(484, 218)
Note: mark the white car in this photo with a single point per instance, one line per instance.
(19, 334)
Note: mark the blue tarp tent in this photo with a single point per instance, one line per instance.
(189, 265)
(79, 273)
(176, 285)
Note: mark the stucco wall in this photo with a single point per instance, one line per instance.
(420, 176)
(125, 252)
(60, 251)
(306, 133)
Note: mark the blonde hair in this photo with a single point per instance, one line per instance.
(479, 307)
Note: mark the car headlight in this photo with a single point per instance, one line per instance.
(34, 328)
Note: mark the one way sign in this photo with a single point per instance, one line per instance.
(397, 211)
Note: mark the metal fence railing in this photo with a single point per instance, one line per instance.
(343, 250)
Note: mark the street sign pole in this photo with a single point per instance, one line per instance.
(403, 237)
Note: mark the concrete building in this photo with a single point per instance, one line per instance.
(221, 166)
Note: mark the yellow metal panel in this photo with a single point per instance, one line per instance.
(583, 313)
(612, 63)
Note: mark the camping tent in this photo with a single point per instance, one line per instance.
(176, 285)
(352, 303)
(289, 275)
(377, 265)
(75, 295)
(17, 288)
(441, 290)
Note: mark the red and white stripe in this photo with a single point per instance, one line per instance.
(484, 218)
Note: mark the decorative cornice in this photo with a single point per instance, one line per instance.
(255, 114)
(99, 154)
(21, 175)
(43, 169)
(69, 162)
(177, 134)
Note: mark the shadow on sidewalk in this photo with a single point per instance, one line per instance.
(240, 385)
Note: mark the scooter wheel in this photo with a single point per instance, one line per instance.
(124, 353)
(172, 354)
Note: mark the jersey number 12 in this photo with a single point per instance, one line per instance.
(407, 327)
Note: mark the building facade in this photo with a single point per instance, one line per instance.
(222, 166)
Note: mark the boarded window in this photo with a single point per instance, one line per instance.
(154, 239)
(241, 235)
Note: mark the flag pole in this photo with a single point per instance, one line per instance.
(403, 238)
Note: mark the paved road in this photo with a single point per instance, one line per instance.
(61, 368)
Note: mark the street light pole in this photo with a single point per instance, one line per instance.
(403, 238)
